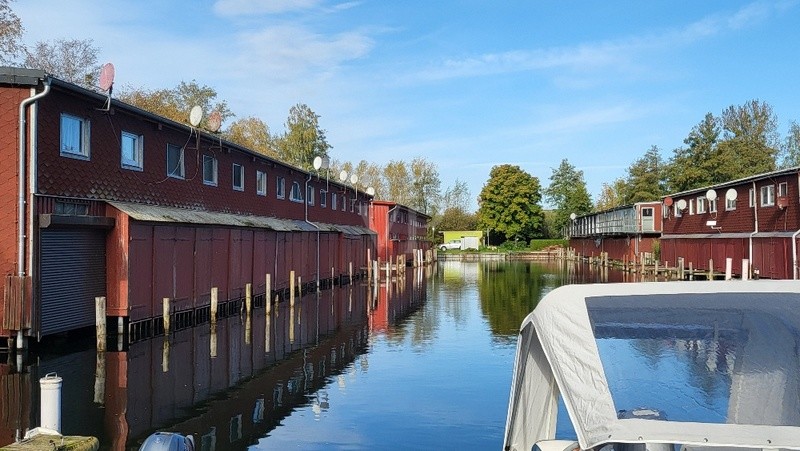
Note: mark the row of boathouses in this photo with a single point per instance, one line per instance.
(100, 198)
(755, 218)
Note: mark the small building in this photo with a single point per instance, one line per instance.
(400, 230)
(755, 218)
(450, 235)
(625, 232)
(100, 198)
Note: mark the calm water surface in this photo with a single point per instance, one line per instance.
(423, 362)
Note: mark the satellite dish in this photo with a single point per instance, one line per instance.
(196, 115)
(731, 194)
(711, 195)
(317, 163)
(106, 76)
(353, 179)
(214, 121)
(326, 162)
(668, 201)
(681, 204)
(370, 191)
(343, 176)
(572, 216)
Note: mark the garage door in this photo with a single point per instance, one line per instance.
(73, 273)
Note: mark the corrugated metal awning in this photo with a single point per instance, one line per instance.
(154, 213)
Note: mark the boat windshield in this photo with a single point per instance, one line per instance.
(710, 357)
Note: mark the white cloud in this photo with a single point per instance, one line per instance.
(247, 7)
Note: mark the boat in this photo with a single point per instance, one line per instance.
(690, 366)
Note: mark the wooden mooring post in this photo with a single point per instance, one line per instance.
(710, 269)
(728, 268)
(745, 269)
(100, 322)
(214, 304)
(248, 298)
(268, 294)
(291, 288)
(165, 313)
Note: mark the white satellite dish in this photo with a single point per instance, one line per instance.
(731, 194)
(681, 204)
(317, 163)
(711, 195)
(370, 191)
(106, 77)
(343, 176)
(353, 179)
(196, 115)
(572, 216)
(214, 121)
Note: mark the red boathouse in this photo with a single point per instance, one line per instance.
(400, 230)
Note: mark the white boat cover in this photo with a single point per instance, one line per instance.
(716, 363)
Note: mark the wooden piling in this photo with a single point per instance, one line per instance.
(745, 269)
(214, 303)
(351, 272)
(268, 294)
(691, 270)
(681, 268)
(291, 288)
(100, 322)
(710, 269)
(248, 297)
(165, 308)
(728, 268)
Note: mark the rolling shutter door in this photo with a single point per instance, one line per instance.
(73, 273)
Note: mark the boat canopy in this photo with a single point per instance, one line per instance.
(702, 364)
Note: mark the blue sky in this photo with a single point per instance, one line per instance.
(465, 84)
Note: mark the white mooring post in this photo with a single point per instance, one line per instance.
(728, 268)
(51, 402)
(745, 269)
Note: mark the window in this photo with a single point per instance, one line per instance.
(691, 206)
(752, 197)
(175, 166)
(768, 196)
(310, 194)
(712, 206)
(74, 137)
(297, 194)
(323, 198)
(209, 170)
(280, 188)
(132, 146)
(72, 208)
(678, 212)
(783, 189)
(261, 183)
(344, 202)
(333, 201)
(730, 204)
(238, 177)
(701, 205)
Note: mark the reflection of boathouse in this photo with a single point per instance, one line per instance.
(623, 232)
(100, 198)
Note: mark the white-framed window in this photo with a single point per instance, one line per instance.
(352, 204)
(678, 212)
(768, 195)
(310, 194)
(783, 189)
(261, 183)
(333, 201)
(132, 146)
(296, 195)
(175, 166)
(691, 206)
(701, 205)
(730, 204)
(238, 177)
(209, 170)
(323, 198)
(74, 137)
(712, 206)
(752, 197)
(344, 202)
(280, 187)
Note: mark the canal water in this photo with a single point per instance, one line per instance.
(423, 361)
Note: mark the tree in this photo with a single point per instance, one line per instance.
(456, 197)
(425, 185)
(253, 133)
(750, 144)
(72, 60)
(790, 151)
(456, 219)
(370, 175)
(694, 166)
(176, 103)
(10, 34)
(645, 181)
(510, 204)
(398, 182)
(567, 193)
(304, 139)
(611, 195)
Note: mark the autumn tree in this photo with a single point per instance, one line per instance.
(398, 182)
(456, 196)
(611, 195)
(303, 139)
(750, 143)
(568, 194)
(252, 133)
(790, 150)
(176, 103)
(646, 178)
(72, 60)
(425, 185)
(371, 175)
(10, 34)
(694, 166)
(510, 204)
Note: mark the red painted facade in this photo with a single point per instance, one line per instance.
(755, 218)
(400, 230)
(624, 232)
(201, 231)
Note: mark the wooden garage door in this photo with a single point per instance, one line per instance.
(73, 273)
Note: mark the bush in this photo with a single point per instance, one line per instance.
(538, 245)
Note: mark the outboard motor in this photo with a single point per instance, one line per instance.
(168, 441)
